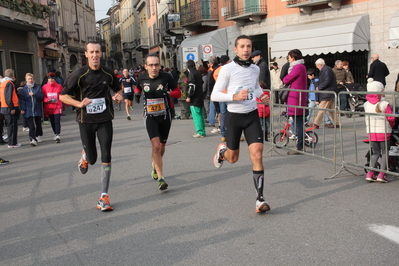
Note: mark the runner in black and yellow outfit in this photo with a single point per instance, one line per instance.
(91, 87)
(158, 87)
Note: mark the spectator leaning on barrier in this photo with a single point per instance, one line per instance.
(327, 82)
(378, 127)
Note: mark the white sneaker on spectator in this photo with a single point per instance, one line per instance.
(39, 139)
(215, 131)
(15, 146)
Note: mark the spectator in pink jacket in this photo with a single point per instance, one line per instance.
(297, 79)
(53, 105)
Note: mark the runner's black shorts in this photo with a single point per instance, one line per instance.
(236, 123)
(128, 97)
(158, 126)
(104, 132)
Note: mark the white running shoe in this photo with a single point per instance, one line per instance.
(39, 139)
(25, 129)
(57, 138)
(217, 159)
(261, 206)
(33, 142)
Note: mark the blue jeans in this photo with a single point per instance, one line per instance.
(223, 110)
(264, 123)
(212, 113)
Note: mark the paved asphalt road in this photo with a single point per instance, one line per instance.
(206, 217)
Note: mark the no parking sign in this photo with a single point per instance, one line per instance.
(207, 51)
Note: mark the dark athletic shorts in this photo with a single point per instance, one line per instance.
(128, 97)
(158, 126)
(236, 123)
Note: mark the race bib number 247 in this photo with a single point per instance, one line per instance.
(96, 106)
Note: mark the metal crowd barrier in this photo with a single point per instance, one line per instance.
(342, 146)
(354, 150)
(325, 148)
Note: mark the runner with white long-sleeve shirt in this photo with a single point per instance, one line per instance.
(238, 85)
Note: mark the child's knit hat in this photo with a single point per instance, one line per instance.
(374, 86)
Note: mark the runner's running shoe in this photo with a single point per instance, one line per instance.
(261, 206)
(103, 204)
(128, 117)
(57, 138)
(162, 184)
(218, 158)
(154, 174)
(83, 165)
(2, 161)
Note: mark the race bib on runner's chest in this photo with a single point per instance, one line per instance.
(156, 106)
(127, 89)
(96, 106)
(250, 92)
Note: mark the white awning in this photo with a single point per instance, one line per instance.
(324, 36)
(393, 40)
(217, 38)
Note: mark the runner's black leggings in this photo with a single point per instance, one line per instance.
(88, 136)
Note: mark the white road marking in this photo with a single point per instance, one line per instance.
(388, 231)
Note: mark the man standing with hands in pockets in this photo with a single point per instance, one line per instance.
(241, 79)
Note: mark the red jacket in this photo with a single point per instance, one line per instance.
(51, 100)
(263, 109)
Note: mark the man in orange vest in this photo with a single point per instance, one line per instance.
(9, 107)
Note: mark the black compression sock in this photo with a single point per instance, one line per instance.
(258, 181)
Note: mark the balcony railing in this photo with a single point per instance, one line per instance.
(241, 9)
(298, 3)
(199, 11)
(27, 7)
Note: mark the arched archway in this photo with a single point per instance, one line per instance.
(73, 62)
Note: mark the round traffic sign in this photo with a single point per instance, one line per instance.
(190, 56)
(207, 49)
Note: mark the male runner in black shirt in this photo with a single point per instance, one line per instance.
(128, 83)
(158, 87)
(88, 89)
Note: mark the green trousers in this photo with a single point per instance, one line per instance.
(198, 118)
